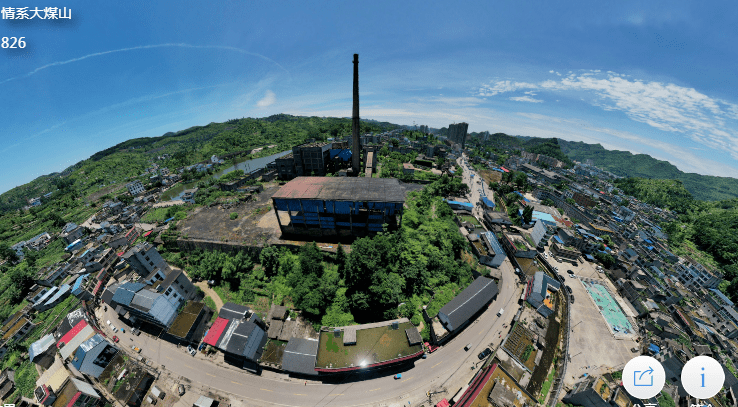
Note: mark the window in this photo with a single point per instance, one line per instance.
(169, 290)
(175, 295)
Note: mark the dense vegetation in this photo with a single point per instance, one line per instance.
(384, 276)
(664, 193)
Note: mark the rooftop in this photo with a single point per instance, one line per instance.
(184, 322)
(375, 344)
(343, 189)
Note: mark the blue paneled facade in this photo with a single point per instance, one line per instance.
(326, 217)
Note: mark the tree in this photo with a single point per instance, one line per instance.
(571, 201)
(527, 214)
(269, 258)
(548, 202)
(341, 260)
(7, 253)
(55, 219)
(31, 256)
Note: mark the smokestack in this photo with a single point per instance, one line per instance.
(356, 147)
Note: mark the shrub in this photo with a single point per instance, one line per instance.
(234, 215)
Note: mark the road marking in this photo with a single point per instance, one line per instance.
(266, 390)
(210, 374)
(236, 383)
(190, 367)
(337, 394)
(407, 379)
(299, 394)
(168, 357)
(436, 365)
(375, 389)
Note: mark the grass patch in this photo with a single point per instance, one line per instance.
(211, 304)
(547, 384)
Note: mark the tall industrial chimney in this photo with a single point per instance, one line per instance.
(356, 147)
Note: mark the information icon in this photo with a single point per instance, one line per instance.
(703, 377)
(643, 377)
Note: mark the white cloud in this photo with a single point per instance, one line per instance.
(664, 106)
(268, 99)
(526, 99)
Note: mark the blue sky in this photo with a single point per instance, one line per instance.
(656, 78)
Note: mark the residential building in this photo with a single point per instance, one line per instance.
(495, 253)
(144, 259)
(135, 187)
(188, 195)
(457, 133)
(694, 275)
(518, 245)
(238, 332)
(540, 292)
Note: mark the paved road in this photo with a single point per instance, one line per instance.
(474, 187)
(448, 367)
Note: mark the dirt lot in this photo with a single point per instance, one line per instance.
(214, 223)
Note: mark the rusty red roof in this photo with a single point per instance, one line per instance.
(343, 189)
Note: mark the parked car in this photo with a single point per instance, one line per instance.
(571, 297)
(108, 322)
(115, 339)
(180, 389)
(398, 376)
(467, 347)
(483, 354)
(135, 331)
(113, 328)
(568, 289)
(570, 272)
(190, 350)
(136, 349)
(123, 330)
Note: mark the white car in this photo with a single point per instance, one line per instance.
(113, 328)
(108, 322)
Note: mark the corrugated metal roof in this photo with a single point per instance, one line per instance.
(469, 301)
(163, 311)
(71, 333)
(343, 189)
(98, 359)
(216, 331)
(125, 293)
(62, 292)
(144, 299)
(68, 349)
(40, 346)
(299, 356)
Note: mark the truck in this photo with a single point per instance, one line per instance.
(500, 312)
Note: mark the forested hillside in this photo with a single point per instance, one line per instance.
(130, 158)
(626, 164)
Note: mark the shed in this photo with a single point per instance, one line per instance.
(275, 328)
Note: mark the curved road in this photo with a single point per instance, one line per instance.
(449, 367)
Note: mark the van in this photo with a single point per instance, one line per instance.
(468, 346)
(500, 313)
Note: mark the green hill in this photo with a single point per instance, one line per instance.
(627, 164)
(130, 158)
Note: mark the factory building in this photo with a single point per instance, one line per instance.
(339, 206)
